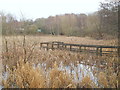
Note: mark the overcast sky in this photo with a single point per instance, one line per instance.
(32, 9)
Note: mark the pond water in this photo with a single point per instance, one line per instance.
(4, 77)
(1, 87)
(79, 71)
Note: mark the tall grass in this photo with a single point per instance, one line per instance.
(21, 59)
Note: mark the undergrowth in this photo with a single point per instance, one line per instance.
(21, 61)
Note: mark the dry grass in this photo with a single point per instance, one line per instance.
(72, 39)
(60, 79)
(25, 76)
(87, 83)
(19, 54)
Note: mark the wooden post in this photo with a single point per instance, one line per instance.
(58, 45)
(65, 46)
(97, 51)
(118, 51)
(70, 47)
(80, 48)
(40, 45)
(47, 46)
(100, 51)
(52, 46)
(62, 46)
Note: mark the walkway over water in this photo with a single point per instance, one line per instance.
(98, 49)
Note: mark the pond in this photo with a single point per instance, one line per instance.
(77, 71)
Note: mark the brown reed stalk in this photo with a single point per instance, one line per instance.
(24, 48)
(31, 51)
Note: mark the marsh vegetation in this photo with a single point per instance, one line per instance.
(25, 65)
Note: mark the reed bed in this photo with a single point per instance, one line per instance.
(28, 66)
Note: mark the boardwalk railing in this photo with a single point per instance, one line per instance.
(98, 49)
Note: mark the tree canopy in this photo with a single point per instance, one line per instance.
(103, 21)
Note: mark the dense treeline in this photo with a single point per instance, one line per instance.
(98, 24)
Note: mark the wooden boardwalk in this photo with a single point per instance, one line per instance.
(98, 49)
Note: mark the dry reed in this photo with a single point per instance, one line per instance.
(19, 56)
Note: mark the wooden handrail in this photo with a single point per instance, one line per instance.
(64, 45)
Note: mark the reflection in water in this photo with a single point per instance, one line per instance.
(77, 71)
